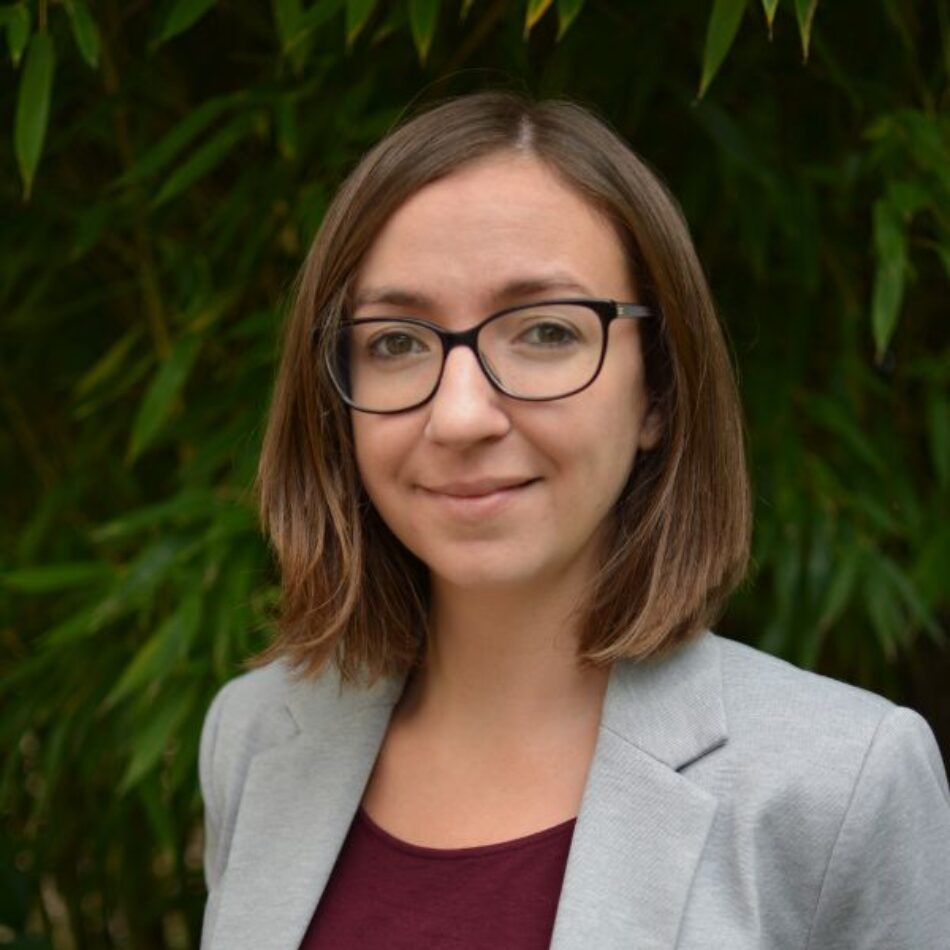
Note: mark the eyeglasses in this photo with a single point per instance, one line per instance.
(535, 352)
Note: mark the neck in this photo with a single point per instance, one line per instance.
(501, 665)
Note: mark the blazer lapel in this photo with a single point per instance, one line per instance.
(298, 801)
(639, 834)
(642, 825)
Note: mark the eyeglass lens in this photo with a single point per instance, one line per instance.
(384, 365)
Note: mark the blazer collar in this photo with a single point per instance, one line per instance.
(670, 708)
(639, 835)
(642, 825)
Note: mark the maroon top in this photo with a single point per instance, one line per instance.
(384, 892)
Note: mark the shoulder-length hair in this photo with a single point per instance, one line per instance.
(352, 594)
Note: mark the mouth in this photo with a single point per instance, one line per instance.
(479, 489)
(477, 503)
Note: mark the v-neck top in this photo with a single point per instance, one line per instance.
(388, 893)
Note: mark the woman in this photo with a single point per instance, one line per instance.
(504, 478)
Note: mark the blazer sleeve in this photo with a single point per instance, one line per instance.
(212, 810)
(887, 882)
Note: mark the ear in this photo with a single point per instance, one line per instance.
(651, 429)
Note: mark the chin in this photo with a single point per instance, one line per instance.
(472, 571)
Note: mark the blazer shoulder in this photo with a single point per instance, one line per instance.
(768, 699)
(261, 708)
(270, 706)
(800, 743)
(249, 714)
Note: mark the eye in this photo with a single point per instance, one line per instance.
(396, 343)
(549, 334)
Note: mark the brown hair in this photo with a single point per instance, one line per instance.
(351, 592)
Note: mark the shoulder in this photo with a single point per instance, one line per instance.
(832, 770)
(253, 710)
(811, 725)
(249, 714)
(764, 695)
(835, 792)
(268, 707)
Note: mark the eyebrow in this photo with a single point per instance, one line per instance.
(518, 287)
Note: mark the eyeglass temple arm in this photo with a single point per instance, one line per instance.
(633, 310)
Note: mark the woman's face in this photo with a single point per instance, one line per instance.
(486, 490)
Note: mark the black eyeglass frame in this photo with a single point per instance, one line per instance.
(606, 310)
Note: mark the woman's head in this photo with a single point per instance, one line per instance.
(482, 204)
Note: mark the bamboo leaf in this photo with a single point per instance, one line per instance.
(770, 6)
(162, 393)
(187, 130)
(108, 364)
(787, 582)
(73, 628)
(32, 113)
(154, 798)
(153, 738)
(909, 594)
(205, 159)
(182, 15)
(884, 611)
(286, 127)
(168, 646)
(723, 26)
(57, 577)
(85, 31)
(311, 19)
(533, 12)
(805, 12)
(18, 30)
(567, 11)
(930, 571)
(188, 505)
(890, 245)
(287, 15)
(150, 569)
(358, 13)
(880, 518)
(840, 590)
(908, 197)
(423, 16)
(465, 9)
(929, 139)
(939, 426)
(91, 223)
(833, 416)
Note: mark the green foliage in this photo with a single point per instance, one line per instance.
(182, 15)
(724, 23)
(17, 21)
(85, 31)
(423, 15)
(32, 113)
(805, 12)
(176, 172)
(567, 11)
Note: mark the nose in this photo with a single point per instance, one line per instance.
(466, 408)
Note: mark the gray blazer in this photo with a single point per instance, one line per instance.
(733, 802)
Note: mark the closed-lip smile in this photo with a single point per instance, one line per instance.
(477, 488)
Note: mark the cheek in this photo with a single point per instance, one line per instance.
(381, 446)
(371, 454)
(606, 455)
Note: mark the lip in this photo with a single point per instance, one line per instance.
(477, 500)
(478, 489)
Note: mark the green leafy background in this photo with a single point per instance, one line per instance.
(167, 165)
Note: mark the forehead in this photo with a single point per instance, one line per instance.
(503, 227)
